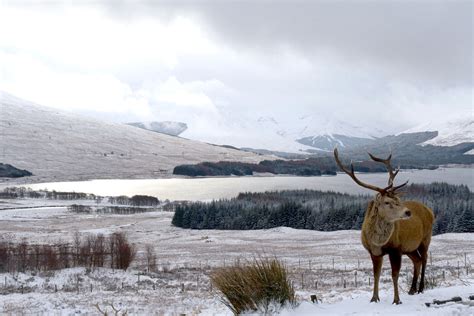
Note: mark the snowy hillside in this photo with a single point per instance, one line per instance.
(321, 132)
(312, 125)
(450, 132)
(56, 145)
(267, 132)
(256, 133)
(166, 127)
(327, 142)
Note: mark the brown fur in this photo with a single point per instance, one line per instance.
(395, 228)
(409, 236)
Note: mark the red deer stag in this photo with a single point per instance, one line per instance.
(394, 227)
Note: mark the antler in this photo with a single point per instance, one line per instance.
(387, 164)
(391, 173)
(399, 186)
(352, 175)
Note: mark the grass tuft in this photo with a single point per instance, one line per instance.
(258, 286)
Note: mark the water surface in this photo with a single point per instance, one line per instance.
(216, 188)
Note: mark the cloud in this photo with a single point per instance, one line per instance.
(373, 64)
(25, 76)
(86, 38)
(188, 95)
(427, 40)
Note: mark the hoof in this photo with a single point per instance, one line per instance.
(375, 300)
(412, 292)
(420, 291)
(396, 302)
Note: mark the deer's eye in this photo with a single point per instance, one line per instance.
(387, 203)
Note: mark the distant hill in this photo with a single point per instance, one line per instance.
(60, 146)
(327, 142)
(409, 150)
(449, 132)
(317, 134)
(8, 171)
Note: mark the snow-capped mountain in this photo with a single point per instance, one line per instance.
(328, 142)
(166, 127)
(310, 133)
(291, 135)
(249, 132)
(61, 146)
(327, 125)
(450, 133)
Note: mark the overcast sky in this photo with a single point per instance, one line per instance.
(382, 64)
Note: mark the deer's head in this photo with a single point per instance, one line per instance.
(386, 204)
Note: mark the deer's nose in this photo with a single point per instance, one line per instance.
(407, 213)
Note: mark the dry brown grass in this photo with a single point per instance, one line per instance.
(257, 286)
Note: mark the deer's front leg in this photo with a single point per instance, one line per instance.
(377, 265)
(395, 262)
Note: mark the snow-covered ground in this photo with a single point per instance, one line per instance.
(357, 303)
(319, 262)
(56, 145)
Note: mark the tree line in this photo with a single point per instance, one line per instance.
(119, 210)
(21, 193)
(302, 167)
(324, 211)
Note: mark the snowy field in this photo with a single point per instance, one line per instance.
(332, 265)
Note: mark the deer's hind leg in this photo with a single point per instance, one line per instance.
(415, 257)
(423, 250)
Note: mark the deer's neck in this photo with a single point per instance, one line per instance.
(377, 231)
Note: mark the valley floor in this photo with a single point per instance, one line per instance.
(332, 265)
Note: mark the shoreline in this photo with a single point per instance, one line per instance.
(34, 180)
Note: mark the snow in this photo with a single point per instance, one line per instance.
(188, 256)
(358, 304)
(166, 127)
(266, 132)
(450, 132)
(260, 133)
(56, 145)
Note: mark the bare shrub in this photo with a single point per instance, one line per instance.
(35, 257)
(124, 252)
(84, 259)
(150, 258)
(21, 253)
(76, 246)
(431, 281)
(3, 257)
(64, 256)
(50, 258)
(98, 251)
(90, 251)
(254, 287)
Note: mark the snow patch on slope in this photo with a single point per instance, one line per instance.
(450, 133)
(165, 127)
